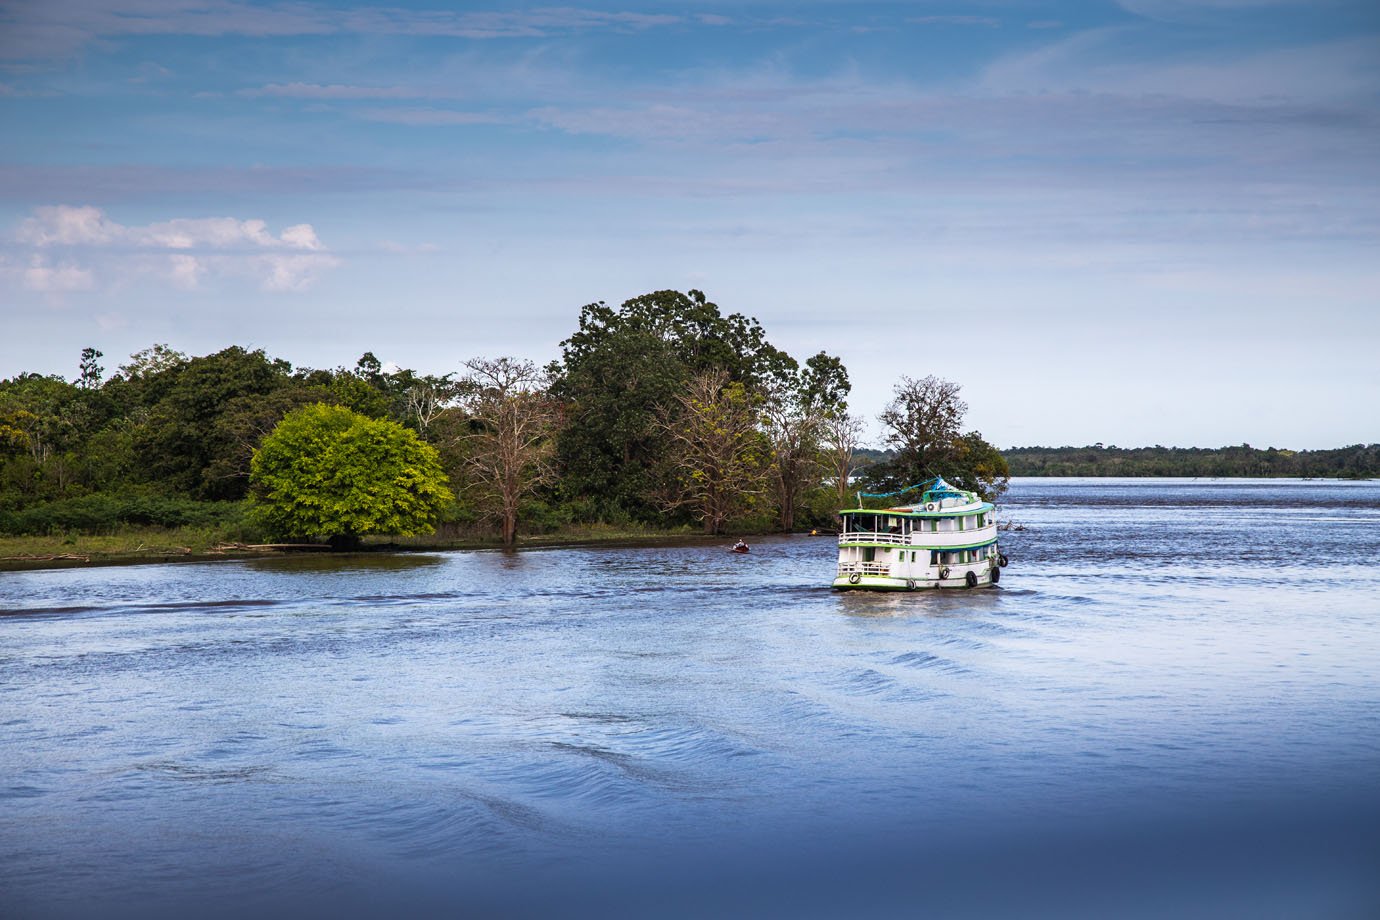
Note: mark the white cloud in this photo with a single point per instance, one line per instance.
(60, 279)
(182, 252)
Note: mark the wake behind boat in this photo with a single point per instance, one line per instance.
(948, 539)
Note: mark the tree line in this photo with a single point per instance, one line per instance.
(1358, 461)
(662, 411)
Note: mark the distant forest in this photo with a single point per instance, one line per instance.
(1359, 461)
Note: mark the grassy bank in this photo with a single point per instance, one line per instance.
(153, 544)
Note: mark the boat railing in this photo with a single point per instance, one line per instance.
(864, 568)
(863, 536)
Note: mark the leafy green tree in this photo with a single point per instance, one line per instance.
(326, 471)
(619, 368)
(180, 444)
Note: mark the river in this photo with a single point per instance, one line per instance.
(1169, 707)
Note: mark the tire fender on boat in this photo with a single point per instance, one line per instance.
(854, 578)
(970, 577)
(996, 575)
(910, 584)
(944, 573)
(1002, 560)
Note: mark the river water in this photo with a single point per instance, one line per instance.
(1169, 707)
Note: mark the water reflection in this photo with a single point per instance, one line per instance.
(380, 563)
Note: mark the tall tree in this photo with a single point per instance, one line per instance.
(717, 467)
(510, 441)
(90, 371)
(180, 444)
(924, 422)
(842, 436)
(796, 406)
(619, 367)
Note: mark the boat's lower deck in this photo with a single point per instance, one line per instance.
(975, 575)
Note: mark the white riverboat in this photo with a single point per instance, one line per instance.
(947, 539)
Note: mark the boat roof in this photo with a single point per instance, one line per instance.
(936, 492)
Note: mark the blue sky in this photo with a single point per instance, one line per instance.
(1135, 222)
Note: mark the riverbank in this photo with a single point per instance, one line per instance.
(159, 545)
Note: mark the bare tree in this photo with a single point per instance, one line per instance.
(842, 434)
(512, 421)
(718, 456)
(426, 398)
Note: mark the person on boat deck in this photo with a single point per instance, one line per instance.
(740, 546)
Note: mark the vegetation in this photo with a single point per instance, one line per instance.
(326, 471)
(663, 414)
(1359, 461)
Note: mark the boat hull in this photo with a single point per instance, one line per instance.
(956, 579)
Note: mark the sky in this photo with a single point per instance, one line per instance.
(1136, 222)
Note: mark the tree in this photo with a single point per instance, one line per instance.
(328, 472)
(980, 467)
(510, 438)
(924, 418)
(795, 409)
(426, 398)
(90, 372)
(718, 465)
(181, 443)
(620, 367)
(842, 435)
(924, 421)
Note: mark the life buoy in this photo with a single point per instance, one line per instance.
(971, 578)
(944, 572)
(854, 578)
(931, 506)
(996, 575)
(910, 584)
(1002, 560)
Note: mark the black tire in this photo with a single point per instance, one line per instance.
(970, 578)
(854, 578)
(910, 584)
(1002, 560)
(944, 573)
(996, 574)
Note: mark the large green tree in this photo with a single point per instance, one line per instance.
(326, 471)
(182, 444)
(620, 368)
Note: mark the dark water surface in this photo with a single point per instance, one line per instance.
(1170, 707)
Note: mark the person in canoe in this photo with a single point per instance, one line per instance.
(740, 547)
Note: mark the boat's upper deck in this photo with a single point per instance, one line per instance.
(943, 517)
